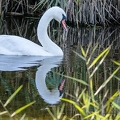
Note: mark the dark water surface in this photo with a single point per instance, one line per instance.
(40, 76)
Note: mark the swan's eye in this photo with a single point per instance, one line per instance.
(63, 22)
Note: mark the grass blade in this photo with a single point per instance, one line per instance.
(64, 118)
(116, 105)
(12, 96)
(76, 106)
(104, 84)
(92, 54)
(96, 68)
(96, 60)
(117, 117)
(116, 77)
(83, 58)
(78, 80)
(23, 117)
(80, 96)
(22, 108)
(73, 118)
(61, 112)
(88, 48)
(4, 112)
(51, 114)
(115, 62)
(92, 115)
(83, 52)
(111, 99)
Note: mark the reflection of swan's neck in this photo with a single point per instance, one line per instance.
(46, 42)
(46, 94)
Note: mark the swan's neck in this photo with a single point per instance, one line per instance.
(43, 37)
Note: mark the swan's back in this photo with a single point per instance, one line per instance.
(15, 45)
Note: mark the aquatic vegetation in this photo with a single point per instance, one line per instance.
(6, 111)
(90, 102)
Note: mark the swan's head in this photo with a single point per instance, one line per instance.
(59, 15)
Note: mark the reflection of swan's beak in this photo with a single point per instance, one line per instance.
(61, 87)
(63, 22)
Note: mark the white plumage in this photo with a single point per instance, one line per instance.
(15, 45)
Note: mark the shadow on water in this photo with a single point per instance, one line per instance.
(32, 71)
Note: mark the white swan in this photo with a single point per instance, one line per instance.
(15, 45)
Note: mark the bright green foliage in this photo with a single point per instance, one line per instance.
(89, 104)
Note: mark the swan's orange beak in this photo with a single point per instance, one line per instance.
(64, 24)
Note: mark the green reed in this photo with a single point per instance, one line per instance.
(7, 112)
(90, 103)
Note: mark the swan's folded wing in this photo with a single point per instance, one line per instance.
(14, 45)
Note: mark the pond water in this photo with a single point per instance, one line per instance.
(41, 77)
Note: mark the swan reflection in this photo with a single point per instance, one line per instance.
(45, 64)
(16, 63)
(50, 96)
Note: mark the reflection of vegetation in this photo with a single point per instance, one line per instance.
(53, 80)
(91, 103)
(6, 111)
